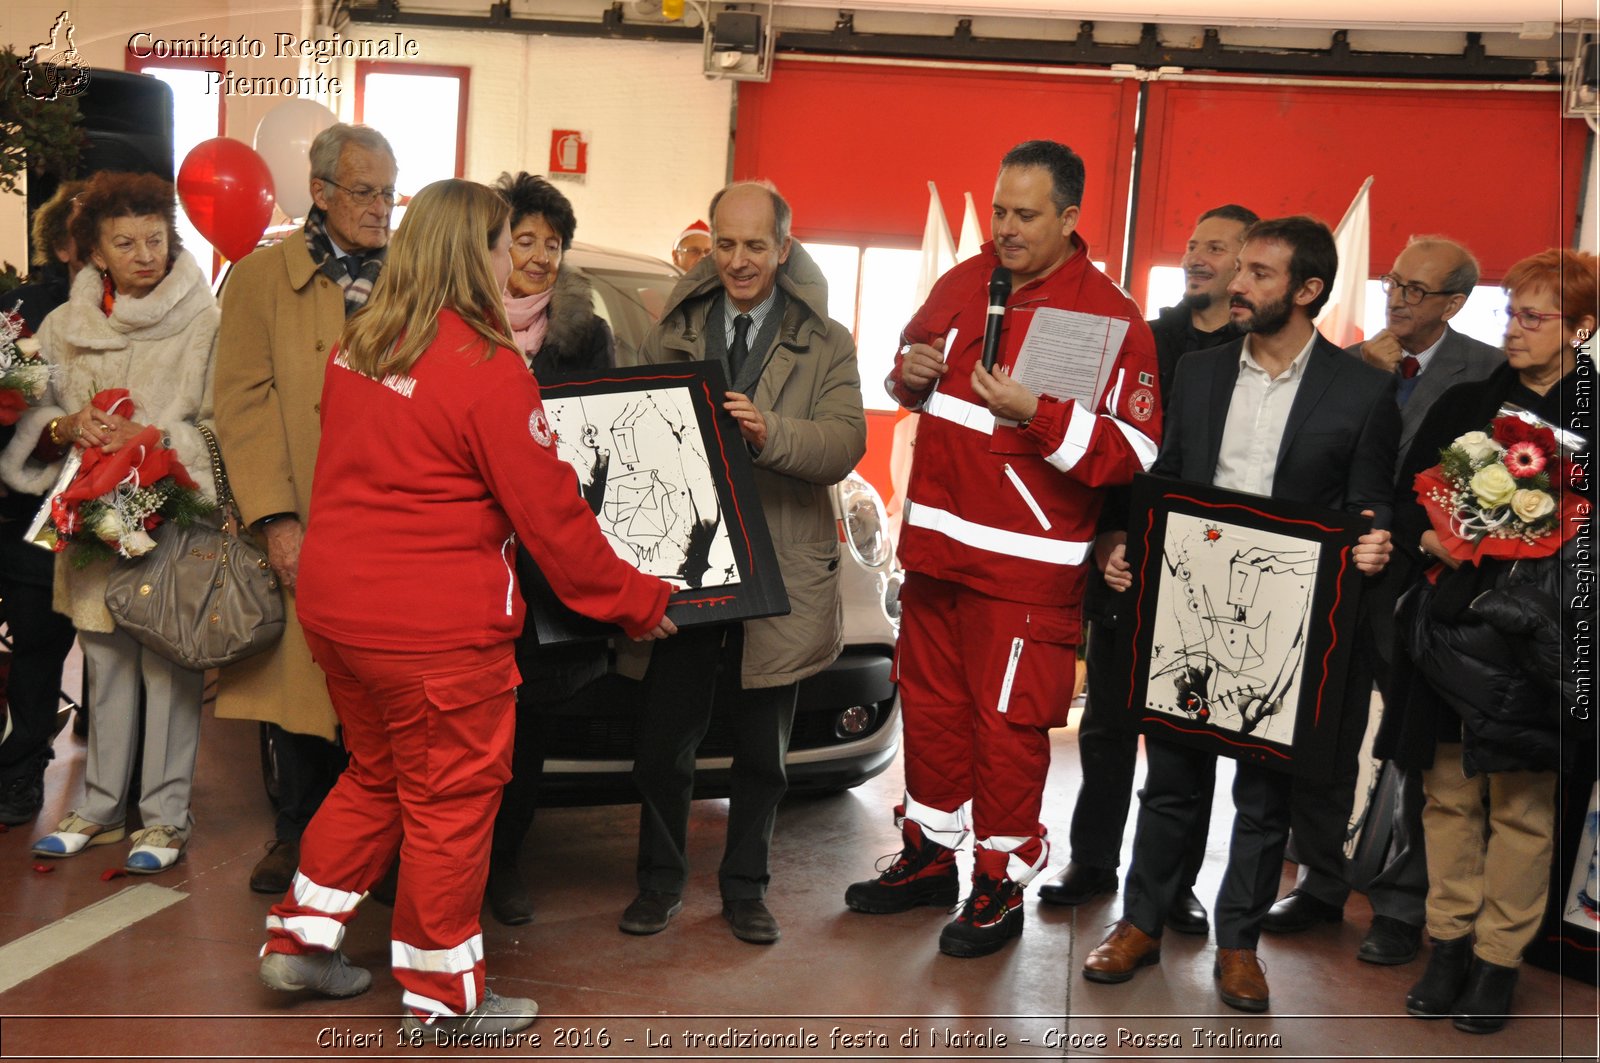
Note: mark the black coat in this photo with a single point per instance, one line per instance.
(577, 341)
(1338, 445)
(1176, 336)
(1478, 656)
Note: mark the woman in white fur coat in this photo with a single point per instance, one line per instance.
(141, 316)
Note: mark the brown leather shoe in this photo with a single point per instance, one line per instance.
(1123, 952)
(1241, 980)
(274, 873)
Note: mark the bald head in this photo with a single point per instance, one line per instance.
(749, 241)
(1429, 285)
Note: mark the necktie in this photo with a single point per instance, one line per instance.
(741, 345)
(352, 266)
(1408, 378)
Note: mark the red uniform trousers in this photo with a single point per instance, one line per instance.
(430, 737)
(981, 683)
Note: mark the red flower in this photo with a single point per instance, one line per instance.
(1508, 431)
(1525, 460)
(12, 405)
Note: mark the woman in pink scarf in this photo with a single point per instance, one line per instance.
(553, 321)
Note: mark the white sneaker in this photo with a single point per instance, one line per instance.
(328, 973)
(497, 1014)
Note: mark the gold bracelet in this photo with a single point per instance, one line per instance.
(55, 422)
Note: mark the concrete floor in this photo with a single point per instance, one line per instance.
(178, 979)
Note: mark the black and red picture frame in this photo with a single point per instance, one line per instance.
(670, 482)
(1243, 622)
(1568, 940)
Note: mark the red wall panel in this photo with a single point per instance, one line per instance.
(852, 147)
(1497, 170)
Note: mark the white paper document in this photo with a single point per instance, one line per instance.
(1069, 355)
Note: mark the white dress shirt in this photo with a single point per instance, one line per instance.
(1257, 415)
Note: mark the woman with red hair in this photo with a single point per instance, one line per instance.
(1483, 697)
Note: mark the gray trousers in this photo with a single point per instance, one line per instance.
(117, 665)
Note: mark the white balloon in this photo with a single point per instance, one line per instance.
(283, 139)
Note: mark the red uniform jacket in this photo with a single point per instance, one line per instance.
(421, 480)
(1011, 512)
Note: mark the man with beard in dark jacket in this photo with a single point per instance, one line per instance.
(1108, 738)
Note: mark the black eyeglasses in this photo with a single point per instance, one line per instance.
(364, 196)
(1411, 293)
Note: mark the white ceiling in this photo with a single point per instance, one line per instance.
(1486, 15)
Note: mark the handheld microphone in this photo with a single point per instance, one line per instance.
(999, 292)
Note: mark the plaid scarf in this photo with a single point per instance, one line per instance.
(356, 287)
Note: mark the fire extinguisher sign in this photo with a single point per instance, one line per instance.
(569, 153)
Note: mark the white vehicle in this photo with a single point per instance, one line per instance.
(847, 722)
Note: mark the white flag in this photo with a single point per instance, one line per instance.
(971, 233)
(938, 249)
(1341, 317)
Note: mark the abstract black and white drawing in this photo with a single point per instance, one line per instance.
(669, 480)
(1243, 619)
(642, 466)
(1232, 618)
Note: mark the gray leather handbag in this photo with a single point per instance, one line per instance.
(205, 596)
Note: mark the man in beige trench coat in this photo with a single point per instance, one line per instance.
(283, 309)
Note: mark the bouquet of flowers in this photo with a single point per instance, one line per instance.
(23, 374)
(1501, 492)
(114, 500)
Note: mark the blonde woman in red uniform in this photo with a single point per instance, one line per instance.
(435, 457)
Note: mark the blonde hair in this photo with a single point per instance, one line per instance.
(438, 260)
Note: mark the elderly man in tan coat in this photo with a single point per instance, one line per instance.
(283, 309)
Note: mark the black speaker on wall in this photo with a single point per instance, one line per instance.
(127, 119)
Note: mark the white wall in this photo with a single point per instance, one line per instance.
(657, 129)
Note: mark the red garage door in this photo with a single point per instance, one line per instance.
(1498, 170)
(853, 147)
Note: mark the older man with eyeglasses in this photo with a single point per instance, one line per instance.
(1428, 285)
(283, 308)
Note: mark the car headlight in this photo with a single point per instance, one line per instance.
(865, 523)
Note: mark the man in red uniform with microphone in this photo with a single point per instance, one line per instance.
(997, 543)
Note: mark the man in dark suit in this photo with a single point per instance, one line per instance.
(1429, 284)
(1108, 735)
(1282, 413)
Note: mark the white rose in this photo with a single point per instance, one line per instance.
(31, 379)
(136, 542)
(1530, 506)
(1479, 447)
(107, 524)
(1494, 485)
(28, 346)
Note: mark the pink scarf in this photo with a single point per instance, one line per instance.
(529, 319)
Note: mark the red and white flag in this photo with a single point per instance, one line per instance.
(1341, 317)
(938, 249)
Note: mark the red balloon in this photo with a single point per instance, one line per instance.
(226, 189)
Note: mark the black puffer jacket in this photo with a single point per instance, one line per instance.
(1476, 641)
(1497, 662)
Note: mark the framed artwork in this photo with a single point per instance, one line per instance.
(670, 483)
(1243, 622)
(1568, 941)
